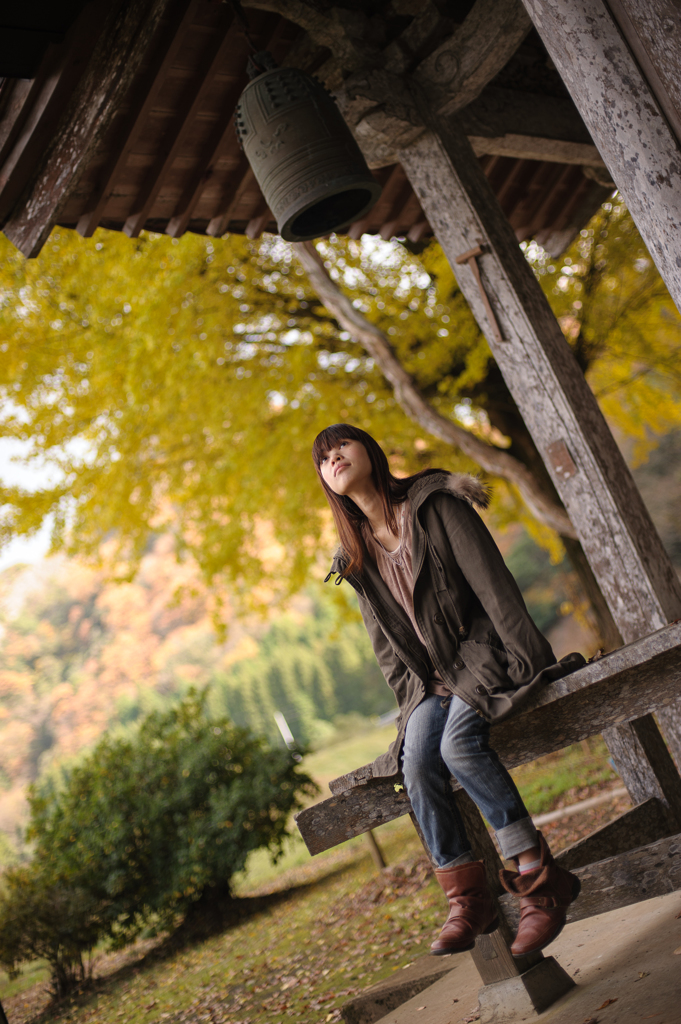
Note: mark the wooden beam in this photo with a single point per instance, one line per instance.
(651, 29)
(640, 825)
(525, 126)
(630, 683)
(165, 52)
(40, 104)
(125, 35)
(557, 405)
(528, 126)
(620, 61)
(458, 70)
(533, 147)
(636, 748)
(622, 113)
(631, 877)
(192, 99)
(376, 100)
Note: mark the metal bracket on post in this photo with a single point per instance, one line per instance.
(471, 258)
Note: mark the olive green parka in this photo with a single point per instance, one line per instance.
(478, 633)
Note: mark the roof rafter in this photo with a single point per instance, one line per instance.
(166, 51)
(214, 56)
(215, 146)
(121, 48)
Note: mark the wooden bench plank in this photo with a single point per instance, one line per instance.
(333, 821)
(645, 675)
(633, 681)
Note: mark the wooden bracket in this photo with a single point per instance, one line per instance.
(471, 258)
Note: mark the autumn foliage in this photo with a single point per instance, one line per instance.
(176, 384)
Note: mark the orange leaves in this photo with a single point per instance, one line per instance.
(14, 685)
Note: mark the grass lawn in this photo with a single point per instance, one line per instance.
(326, 927)
(311, 948)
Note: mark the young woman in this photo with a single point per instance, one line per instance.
(455, 642)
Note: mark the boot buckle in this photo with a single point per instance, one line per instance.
(547, 902)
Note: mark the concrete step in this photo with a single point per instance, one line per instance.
(385, 996)
(626, 965)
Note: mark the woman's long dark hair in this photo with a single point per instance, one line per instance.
(347, 515)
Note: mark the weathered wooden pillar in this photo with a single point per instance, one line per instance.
(594, 482)
(629, 117)
(620, 60)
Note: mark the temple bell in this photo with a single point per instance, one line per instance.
(311, 171)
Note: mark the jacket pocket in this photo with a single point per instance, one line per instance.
(489, 665)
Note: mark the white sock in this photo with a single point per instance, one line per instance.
(524, 868)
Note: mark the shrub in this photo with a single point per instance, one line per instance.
(143, 830)
(43, 921)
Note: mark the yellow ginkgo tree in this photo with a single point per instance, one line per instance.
(178, 384)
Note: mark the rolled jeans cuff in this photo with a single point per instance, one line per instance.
(516, 837)
(463, 858)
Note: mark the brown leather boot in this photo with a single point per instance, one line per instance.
(545, 894)
(472, 910)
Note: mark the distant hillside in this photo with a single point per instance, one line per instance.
(80, 656)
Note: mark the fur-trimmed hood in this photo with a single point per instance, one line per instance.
(462, 485)
(470, 489)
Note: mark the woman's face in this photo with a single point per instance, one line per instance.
(346, 467)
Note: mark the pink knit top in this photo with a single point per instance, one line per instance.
(396, 572)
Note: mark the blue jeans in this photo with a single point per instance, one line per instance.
(446, 738)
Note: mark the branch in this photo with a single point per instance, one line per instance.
(373, 340)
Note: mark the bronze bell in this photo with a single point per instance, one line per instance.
(310, 169)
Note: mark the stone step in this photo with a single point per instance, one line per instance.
(386, 995)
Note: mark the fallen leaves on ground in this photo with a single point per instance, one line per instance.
(301, 956)
(566, 831)
(608, 1002)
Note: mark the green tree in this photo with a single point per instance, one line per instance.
(147, 829)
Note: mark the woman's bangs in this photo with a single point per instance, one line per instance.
(328, 439)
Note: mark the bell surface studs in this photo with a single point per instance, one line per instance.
(311, 171)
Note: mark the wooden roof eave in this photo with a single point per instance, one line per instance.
(89, 167)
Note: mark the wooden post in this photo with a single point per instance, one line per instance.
(620, 61)
(620, 108)
(593, 480)
(375, 851)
